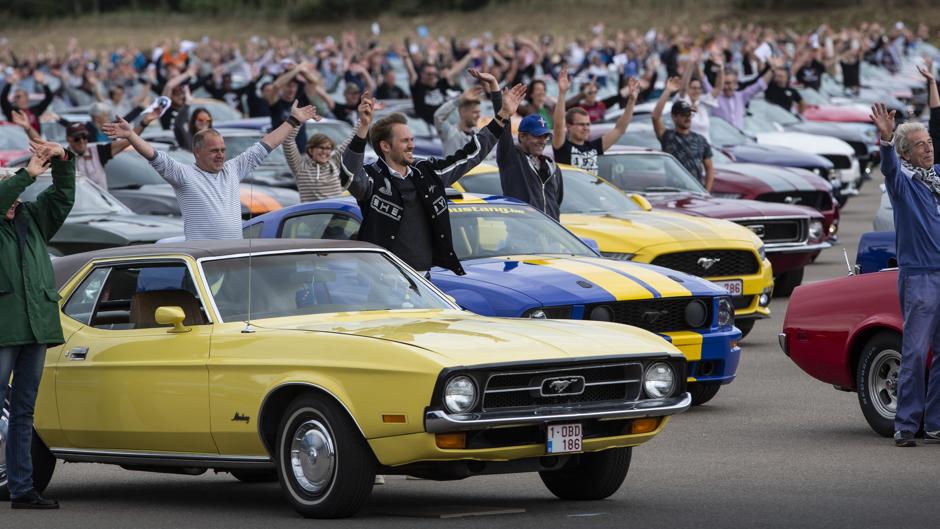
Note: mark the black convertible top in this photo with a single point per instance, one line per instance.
(66, 267)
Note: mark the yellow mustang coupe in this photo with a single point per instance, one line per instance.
(625, 228)
(321, 363)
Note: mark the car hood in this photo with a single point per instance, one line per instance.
(633, 231)
(132, 228)
(806, 142)
(724, 208)
(775, 179)
(460, 338)
(848, 131)
(554, 280)
(776, 155)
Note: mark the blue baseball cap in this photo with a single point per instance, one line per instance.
(535, 125)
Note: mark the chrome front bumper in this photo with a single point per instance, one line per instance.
(796, 247)
(439, 421)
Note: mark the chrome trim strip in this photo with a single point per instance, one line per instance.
(168, 459)
(438, 421)
(798, 247)
(586, 384)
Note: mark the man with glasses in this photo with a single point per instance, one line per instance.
(91, 159)
(690, 148)
(577, 148)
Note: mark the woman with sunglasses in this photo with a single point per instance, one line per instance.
(317, 172)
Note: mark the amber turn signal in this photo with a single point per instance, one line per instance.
(394, 419)
(646, 425)
(451, 441)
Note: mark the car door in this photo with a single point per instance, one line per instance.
(125, 382)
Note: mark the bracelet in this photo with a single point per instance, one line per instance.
(294, 122)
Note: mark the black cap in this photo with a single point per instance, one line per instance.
(681, 107)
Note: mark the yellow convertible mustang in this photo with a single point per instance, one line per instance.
(321, 363)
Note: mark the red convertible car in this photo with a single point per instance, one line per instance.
(793, 235)
(847, 332)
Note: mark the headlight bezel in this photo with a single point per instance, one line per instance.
(816, 225)
(655, 393)
(445, 394)
(724, 314)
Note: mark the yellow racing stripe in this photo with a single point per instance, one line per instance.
(619, 286)
(665, 286)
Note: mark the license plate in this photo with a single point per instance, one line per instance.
(735, 287)
(563, 438)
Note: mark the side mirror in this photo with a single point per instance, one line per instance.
(171, 316)
(641, 201)
(592, 243)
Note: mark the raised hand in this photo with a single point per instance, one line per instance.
(39, 77)
(37, 164)
(633, 89)
(511, 100)
(883, 120)
(302, 114)
(46, 149)
(474, 92)
(119, 129)
(926, 72)
(485, 78)
(20, 118)
(673, 85)
(564, 83)
(365, 110)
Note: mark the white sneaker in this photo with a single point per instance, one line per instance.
(379, 479)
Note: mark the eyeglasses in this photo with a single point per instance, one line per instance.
(80, 137)
(584, 124)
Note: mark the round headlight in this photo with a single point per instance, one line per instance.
(602, 313)
(725, 312)
(696, 314)
(537, 314)
(660, 380)
(460, 394)
(815, 230)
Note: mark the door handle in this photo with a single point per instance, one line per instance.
(77, 353)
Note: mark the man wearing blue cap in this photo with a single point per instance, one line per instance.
(524, 170)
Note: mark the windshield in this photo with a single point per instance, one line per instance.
(586, 193)
(723, 133)
(640, 138)
(130, 170)
(771, 112)
(484, 230)
(89, 198)
(647, 173)
(295, 284)
(13, 138)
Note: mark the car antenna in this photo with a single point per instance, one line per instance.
(249, 329)
(848, 264)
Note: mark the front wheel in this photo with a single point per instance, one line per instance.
(745, 326)
(589, 476)
(325, 467)
(786, 283)
(877, 381)
(43, 460)
(703, 392)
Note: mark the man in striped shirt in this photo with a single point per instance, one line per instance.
(208, 191)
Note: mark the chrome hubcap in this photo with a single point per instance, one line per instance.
(313, 457)
(883, 382)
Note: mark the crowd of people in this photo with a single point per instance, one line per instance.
(710, 72)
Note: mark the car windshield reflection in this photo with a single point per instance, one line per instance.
(647, 173)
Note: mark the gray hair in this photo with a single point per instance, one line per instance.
(199, 139)
(901, 143)
(100, 109)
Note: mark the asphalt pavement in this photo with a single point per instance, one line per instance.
(773, 449)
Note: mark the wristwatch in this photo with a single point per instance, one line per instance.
(294, 122)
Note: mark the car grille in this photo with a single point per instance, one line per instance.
(655, 315)
(605, 382)
(778, 230)
(818, 200)
(839, 161)
(860, 148)
(730, 262)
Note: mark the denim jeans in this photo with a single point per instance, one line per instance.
(918, 390)
(25, 362)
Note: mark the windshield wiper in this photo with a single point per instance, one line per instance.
(662, 189)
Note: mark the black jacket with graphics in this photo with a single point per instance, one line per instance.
(378, 192)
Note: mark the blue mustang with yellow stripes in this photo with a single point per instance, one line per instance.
(521, 263)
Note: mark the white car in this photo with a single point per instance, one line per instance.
(884, 217)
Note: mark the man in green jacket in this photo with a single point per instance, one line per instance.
(29, 306)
